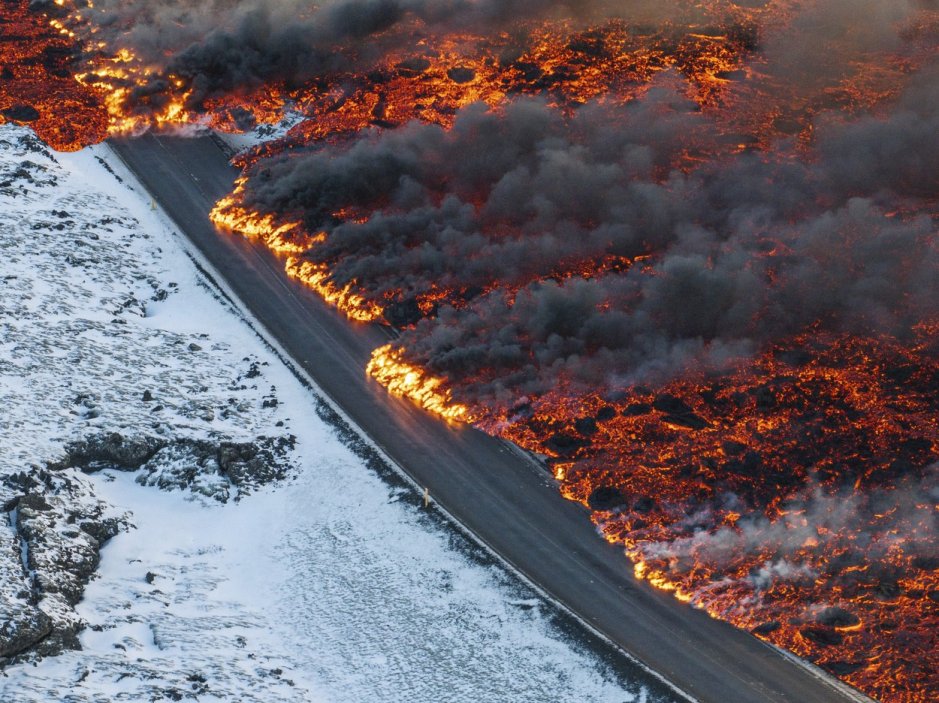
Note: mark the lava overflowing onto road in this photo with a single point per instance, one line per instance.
(686, 250)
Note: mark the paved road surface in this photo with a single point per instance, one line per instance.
(506, 500)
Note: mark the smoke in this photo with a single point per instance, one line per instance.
(226, 46)
(826, 37)
(510, 208)
(220, 47)
(820, 535)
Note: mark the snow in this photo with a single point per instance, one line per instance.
(333, 585)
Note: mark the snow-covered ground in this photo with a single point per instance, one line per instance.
(331, 584)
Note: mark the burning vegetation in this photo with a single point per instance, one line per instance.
(686, 251)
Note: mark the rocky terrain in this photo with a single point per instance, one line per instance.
(86, 383)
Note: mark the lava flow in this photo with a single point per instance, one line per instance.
(685, 251)
(37, 86)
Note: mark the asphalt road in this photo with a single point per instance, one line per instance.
(505, 500)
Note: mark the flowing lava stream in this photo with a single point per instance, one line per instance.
(688, 255)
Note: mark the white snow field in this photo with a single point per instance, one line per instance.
(330, 585)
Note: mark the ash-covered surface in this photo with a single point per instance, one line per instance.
(273, 565)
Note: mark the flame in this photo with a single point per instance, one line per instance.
(282, 237)
(413, 382)
(345, 298)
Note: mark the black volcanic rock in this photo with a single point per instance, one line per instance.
(888, 588)
(843, 668)
(21, 113)
(822, 636)
(766, 627)
(765, 397)
(837, 617)
(565, 444)
(671, 405)
(413, 67)
(689, 421)
(637, 409)
(586, 426)
(112, 449)
(607, 412)
(926, 563)
(19, 632)
(606, 498)
(461, 74)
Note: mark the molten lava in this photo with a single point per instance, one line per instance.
(542, 207)
(37, 86)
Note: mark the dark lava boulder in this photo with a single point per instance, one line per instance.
(671, 405)
(637, 409)
(688, 421)
(461, 74)
(21, 113)
(732, 448)
(21, 628)
(795, 357)
(888, 588)
(112, 449)
(255, 463)
(606, 498)
(644, 504)
(926, 563)
(765, 397)
(565, 444)
(607, 412)
(766, 627)
(750, 464)
(843, 668)
(33, 501)
(836, 617)
(413, 67)
(822, 636)
(586, 426)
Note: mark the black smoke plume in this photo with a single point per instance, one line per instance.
(228, 46)
(508, 208)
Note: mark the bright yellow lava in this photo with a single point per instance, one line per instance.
(410, 381)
